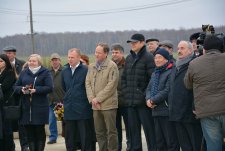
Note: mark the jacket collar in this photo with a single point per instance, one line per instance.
(103, 65)
(60, 68)
(121, 63)
(212, 51)
(139, 54)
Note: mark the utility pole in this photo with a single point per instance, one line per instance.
(31, 28)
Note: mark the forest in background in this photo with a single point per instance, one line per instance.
(47, 43)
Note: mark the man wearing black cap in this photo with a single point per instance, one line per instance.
(153, 45)
(137, 72)
(10, 51)
(205, 76)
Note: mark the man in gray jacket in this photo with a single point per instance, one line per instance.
(206, 76)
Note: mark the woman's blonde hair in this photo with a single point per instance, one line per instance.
(39, 58)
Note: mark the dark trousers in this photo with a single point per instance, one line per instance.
(166, 137)
(122, 113)
(22, 136)
(138, 116)
(81, 128)
(36, 137)
(7, 144)
(189, 136)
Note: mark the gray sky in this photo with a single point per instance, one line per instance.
(108, 15)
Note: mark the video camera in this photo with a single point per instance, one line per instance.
(207, 30)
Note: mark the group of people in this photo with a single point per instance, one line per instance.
(178, 103)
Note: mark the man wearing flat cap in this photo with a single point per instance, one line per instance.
(10, 51)
(137, 72)
(168, 45)
(153, 45)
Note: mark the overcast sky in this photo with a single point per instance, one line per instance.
(112, 15)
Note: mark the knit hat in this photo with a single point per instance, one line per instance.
(213, 42)
(163, 52)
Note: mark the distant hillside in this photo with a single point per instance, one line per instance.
(60, 42)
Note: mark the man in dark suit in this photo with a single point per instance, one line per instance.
(10, 51)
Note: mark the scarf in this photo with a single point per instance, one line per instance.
(35, 70)
(155, 83)
(99, 64)
(183, 61)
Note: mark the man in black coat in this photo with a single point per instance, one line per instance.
(10, 51)
(137, 72)
(181, 102)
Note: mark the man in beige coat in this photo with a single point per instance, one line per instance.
(101, 87)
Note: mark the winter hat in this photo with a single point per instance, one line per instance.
(163, 52)
(213, 42)
(194, 36)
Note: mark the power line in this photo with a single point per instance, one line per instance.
(92, 12)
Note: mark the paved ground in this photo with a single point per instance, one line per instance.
(60, 145)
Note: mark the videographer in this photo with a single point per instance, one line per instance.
(206, 76)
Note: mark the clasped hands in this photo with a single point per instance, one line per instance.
(150, 104)
(26, 90)
(96, 104)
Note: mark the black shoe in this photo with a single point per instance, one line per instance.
(51, 142)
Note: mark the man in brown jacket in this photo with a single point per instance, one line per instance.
(101, 87)
(206, 76)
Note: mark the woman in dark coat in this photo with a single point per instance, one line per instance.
(7, 79)
(34, 83)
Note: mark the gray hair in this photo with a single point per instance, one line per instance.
(190, 46)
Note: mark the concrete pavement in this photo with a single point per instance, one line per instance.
(60, 145)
